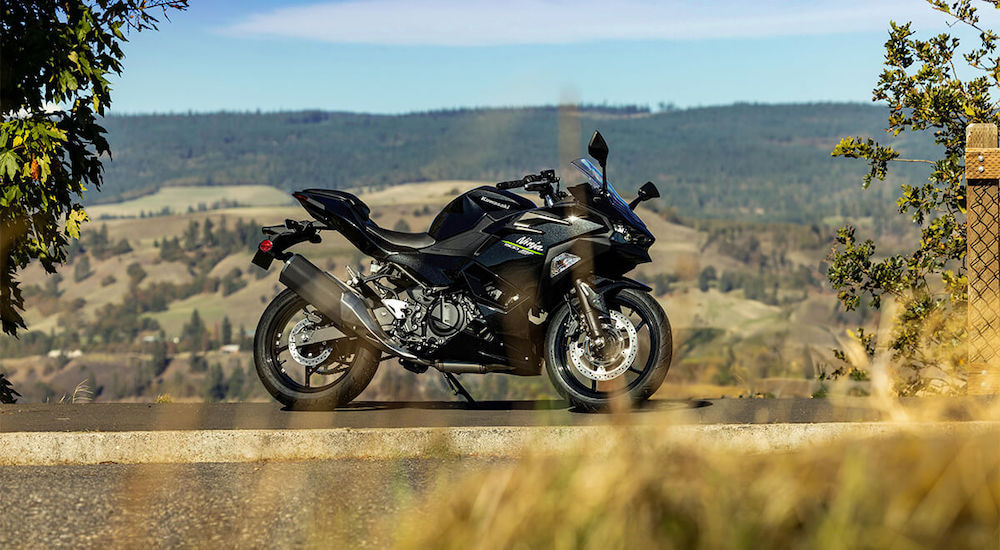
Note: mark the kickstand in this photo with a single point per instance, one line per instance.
(458, 388)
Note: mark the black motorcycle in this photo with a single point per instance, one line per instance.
(497, 284)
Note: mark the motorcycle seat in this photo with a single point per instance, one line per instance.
(400, 238)
(359, 214)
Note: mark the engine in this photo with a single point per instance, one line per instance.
(420, 318)
(431, 318)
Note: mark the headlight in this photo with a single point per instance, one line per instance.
(562, 262)
(623, 234)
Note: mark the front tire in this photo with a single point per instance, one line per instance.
(586, 387)
(342, 367)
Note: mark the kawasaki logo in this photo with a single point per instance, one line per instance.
(503, 205)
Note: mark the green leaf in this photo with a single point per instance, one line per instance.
(74, 219)
(10, 195)
(9, 163)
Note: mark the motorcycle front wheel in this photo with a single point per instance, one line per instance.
(632, 369)
(304, 361)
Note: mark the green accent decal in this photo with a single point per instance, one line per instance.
(523, 248)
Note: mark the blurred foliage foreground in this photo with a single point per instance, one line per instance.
(908, 491)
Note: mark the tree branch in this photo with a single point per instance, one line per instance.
(932, 163)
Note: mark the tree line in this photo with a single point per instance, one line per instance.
(747, 162)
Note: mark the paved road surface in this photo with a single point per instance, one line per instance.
(237, 416)
(331, 504)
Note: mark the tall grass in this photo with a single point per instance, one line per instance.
(901, 492)
(935, 488)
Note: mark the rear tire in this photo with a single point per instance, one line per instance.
(275, 365)
(644, 375)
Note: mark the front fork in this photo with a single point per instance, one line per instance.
(593, 311)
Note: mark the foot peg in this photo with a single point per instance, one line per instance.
(417, 368)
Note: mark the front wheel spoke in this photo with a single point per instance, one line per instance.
(635, 370)
(640, 325)
(593, 385)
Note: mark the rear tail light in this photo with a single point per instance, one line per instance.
(266, 245)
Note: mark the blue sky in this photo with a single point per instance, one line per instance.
(392, 56)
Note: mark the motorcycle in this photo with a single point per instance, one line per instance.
(497, 284)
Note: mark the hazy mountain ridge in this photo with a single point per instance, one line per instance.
(742, 161)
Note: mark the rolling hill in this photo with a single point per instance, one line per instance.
(750, 199)
(765, 315)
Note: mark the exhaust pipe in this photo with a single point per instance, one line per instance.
(470, 368)
(339, 302)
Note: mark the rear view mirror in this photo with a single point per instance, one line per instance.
(598, 148)
(649, 191)
(646, 192)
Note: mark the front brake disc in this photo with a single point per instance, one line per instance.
(596, 368)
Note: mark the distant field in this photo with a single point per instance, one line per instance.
(179, 199)
(435, 192)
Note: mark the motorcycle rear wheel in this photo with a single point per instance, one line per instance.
(645, 370)
(333, 381)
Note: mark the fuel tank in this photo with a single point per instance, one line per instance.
(467, 209)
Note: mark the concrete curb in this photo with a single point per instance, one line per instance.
(186, 446)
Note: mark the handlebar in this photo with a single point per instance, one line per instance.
(510, 184)
(545, 177)
(540, 182)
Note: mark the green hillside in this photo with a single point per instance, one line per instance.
(750, 162)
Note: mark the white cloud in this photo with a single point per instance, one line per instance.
(477, 23)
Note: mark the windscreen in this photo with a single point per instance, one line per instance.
(594, 177)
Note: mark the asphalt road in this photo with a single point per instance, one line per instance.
(237, 416)
(330, 504)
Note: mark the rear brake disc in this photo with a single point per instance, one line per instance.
(303, 352)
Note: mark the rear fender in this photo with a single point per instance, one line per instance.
(295, 232)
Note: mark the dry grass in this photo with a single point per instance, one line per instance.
(912, 491)
(901, 492)
(178, 199)
(82, 393)
(433, 193)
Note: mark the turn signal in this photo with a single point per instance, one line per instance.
(562, 262)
